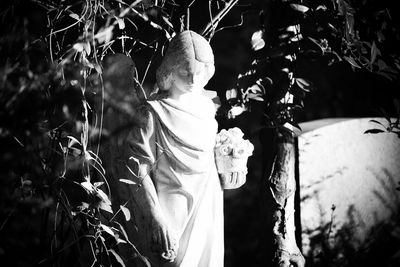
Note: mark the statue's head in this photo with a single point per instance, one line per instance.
(188, 63)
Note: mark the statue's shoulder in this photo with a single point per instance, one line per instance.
(144, 115)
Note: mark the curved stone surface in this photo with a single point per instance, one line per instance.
(348, 183)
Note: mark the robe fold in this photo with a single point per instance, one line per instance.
(178, 139)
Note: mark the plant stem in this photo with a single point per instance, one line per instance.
(210, 27)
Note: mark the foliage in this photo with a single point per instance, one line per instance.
(53, 97)
(294, 34)
(392, 126)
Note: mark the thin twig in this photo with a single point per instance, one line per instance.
(191, 3)
(210, 14)
(148, 65)
(232, 26)
(153, 24)
(71, 25)
(188, 18)
(8, 217)
(331, 222)
(126, 10)
(94, 254)
(217, 18)
(112, 218)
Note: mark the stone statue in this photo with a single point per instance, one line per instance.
(178, 197)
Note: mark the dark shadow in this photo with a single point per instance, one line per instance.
(380, 245)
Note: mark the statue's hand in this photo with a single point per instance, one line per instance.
(164, 243)
(232, 180)
(287, 259)
(287, 253)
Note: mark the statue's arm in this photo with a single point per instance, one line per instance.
(163, 242)
(141, 160)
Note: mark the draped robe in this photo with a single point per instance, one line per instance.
(177, 140)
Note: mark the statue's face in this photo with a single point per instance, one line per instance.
(190, 77)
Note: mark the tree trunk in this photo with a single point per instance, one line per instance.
(282, 187)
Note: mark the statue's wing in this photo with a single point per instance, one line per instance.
(120, 80)
(123, 94)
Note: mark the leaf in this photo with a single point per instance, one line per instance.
(127, 181)
(256, 97)
(98, 69)
(121, 23)
(131, 171)
(95, 157)
(98, 184)
(125, 234)
(303, 84)
(332, 27)
(72, 141)
(297, 37)
(321, 7)
(374, 51)
(375, 121)
(373, 131)
(284, 36)
(255, 88)
(300, 8)
(166, 20)
(292, 106)
(352, 62)
(235, 111)
(103, 196)
(231, 94)
(107, 229)
(74, 16)
(117, 257)
(88, 186)
(83, 206)
(135, 160)
(294, 124)
(106, 207)
(87, 63)
(26, 182)
(104, 35)
(145, 260)
(121, 241)
(267, 81)
(126, 212)
(87, 48)
(79, 47)
(257, 40)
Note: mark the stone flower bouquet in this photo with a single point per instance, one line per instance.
(231, 153)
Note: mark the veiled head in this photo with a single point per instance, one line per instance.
(188, 63)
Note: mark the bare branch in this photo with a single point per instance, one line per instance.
(232, 26)
(210, 27)
(153, 24)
